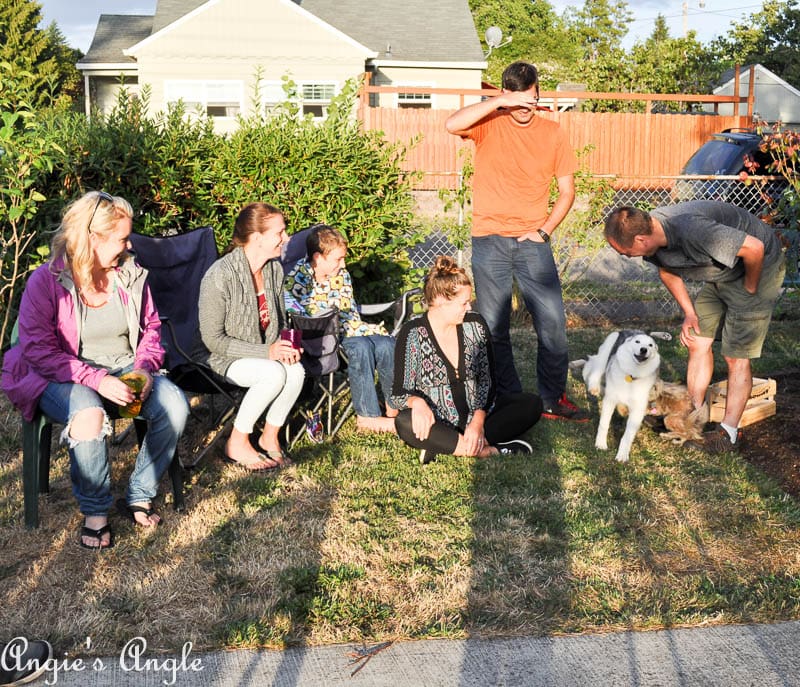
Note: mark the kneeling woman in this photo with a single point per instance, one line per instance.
(444, 378)
(241, 314)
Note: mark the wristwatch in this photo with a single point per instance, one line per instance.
(545, 236)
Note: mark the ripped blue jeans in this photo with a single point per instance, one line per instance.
(165, 410)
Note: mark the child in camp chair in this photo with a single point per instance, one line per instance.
(320, 282)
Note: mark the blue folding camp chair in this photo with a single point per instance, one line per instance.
(176, 265)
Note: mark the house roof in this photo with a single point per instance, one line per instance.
(168, 11)
(413, 30)
(728, 76)
(115, 33)
(416, 30)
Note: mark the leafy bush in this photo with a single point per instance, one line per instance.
(179, 174)
(160, 164)
(331, 172)
(27, 154)
(783, 146)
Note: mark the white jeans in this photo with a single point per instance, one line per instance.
(271, 384)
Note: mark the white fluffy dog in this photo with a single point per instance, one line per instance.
(628, 363)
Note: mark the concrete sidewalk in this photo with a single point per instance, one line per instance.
(760, 655)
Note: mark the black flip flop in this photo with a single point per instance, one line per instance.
(261, 457)
(96, 534)
(130, 511)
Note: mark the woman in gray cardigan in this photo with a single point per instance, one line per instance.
(241, 315)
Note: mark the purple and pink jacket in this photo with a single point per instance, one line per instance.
(49, 334)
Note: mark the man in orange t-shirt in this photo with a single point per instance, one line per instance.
(517, 156)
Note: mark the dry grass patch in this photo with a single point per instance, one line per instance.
(357, 542)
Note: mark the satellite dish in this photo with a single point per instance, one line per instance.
(493, 36)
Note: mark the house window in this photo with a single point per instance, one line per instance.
(415, 100)
(315, 98)
(215, 98)
(272, 93)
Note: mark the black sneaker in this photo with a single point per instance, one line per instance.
(564, 409)
(717, 441)
(514, 446)
(24, 661)
(426, 456)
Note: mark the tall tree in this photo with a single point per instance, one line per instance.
(68, 84)
(770, 37)
(663, 64)
(42, 64)
(599, 26)
(538, 35)
(749, 37)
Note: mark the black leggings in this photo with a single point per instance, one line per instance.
(512, 416)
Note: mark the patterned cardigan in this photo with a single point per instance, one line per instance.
(421, 369)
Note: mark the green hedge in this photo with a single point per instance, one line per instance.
(179, 174)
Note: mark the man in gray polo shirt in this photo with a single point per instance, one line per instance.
(742, 263)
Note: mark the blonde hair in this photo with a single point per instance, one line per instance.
(94, 212)
(444, 280)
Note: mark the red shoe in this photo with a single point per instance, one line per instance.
(564, 409)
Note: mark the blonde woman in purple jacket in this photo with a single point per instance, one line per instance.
(86, 317)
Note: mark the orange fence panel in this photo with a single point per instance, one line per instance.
(625, 145)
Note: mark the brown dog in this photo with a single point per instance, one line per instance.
(683, 421)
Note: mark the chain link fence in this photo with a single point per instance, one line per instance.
(600, 286)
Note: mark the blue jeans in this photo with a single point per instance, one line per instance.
(496, 262)
(365, 355)
(165, 410)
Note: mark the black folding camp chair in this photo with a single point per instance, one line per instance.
(176, 266)
(325, 395)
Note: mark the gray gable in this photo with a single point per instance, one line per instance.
(168, 11)
(115, 33)
(728, 74)
(416, 30)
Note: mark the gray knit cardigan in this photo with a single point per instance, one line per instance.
(228, 311)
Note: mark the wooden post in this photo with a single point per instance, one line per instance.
(736, 90)
(751, 91)
(363, 100)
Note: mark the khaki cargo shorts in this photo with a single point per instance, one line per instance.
(740, 320)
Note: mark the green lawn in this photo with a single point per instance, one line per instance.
(358, 542)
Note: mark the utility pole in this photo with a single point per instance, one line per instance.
(701, 4)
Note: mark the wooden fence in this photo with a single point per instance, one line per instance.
(628, 146)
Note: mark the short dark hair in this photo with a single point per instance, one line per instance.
(520, 76)
(323, 239)
(626, 223)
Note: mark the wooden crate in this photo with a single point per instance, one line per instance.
(761, 404)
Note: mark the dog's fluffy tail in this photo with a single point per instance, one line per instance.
(595, 368)
(575, 366)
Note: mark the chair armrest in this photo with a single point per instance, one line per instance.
(375, 308)
(401, 305)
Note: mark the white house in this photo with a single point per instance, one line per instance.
(208, 53)
(774, 99)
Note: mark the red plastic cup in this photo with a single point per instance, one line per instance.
(293, 336)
